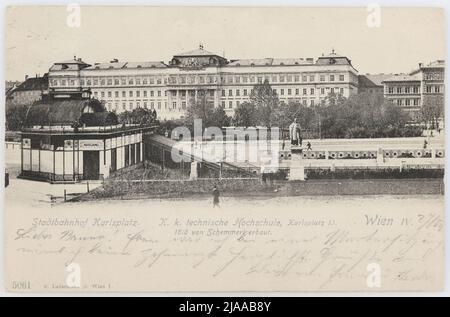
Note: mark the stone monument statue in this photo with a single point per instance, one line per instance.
(296, 169)
(294, 133)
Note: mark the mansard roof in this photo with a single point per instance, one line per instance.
(71, 64)
(271, 62)
(402, 77)
(33, 83)
(197, 52)
(122, 65)
(333, 59)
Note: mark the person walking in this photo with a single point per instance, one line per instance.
(308, 146)
(216, 195)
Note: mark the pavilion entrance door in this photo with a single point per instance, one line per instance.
(91, 165)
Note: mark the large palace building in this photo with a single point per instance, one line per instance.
(169, 87)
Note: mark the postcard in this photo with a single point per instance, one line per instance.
(217, 149)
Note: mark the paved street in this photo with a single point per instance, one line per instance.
(42, 192)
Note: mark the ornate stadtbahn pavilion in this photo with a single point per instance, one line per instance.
(168, 87)
(75, 138)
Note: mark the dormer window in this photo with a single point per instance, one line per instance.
(139, 66)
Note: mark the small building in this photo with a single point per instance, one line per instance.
(423, 87)
(28, 92)
(77, 139)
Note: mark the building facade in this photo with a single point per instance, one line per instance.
(170, 87)
(412, 91)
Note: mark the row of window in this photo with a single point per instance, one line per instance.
(286, 91)
(434, 89)
(237, 103)
(178, 106)
(407, 102)
(414, 89)
(132, 105)
(403, 90)
(145, 104)
(131, 93)
(230, 92)
(231, 79)
(172, 80)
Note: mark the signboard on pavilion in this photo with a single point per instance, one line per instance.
(91, 145)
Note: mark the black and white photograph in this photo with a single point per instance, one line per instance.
(224, 148)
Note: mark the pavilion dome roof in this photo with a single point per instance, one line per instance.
(66, 112)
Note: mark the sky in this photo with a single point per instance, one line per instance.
(37, 36)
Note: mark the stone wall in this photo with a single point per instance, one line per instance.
(123, 189)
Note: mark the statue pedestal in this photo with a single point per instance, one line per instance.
(296, 149)
(297, 170)
(194, 170)
(380, 157)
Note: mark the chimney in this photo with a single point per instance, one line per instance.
(26, 77)
(79, 59)
(420, 65)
